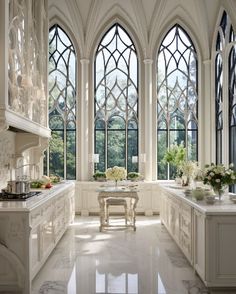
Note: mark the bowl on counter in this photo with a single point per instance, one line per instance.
(210, 199)
(198, 193)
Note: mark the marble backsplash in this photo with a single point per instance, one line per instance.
(7, 150)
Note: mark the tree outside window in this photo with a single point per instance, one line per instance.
(60, 157)
(116, 100)
(177, 98)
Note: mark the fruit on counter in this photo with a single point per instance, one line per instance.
(36, 184)
(48, 186)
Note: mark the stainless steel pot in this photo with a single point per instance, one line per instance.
(18, 187)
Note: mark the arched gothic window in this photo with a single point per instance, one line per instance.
(177, 97)
(116, 100)
(61, 155)
(232, 102)
(222, 36)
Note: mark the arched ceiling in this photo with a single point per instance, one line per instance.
(148, 19)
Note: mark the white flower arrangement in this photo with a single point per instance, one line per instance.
(218, 176)
(188, 168)
(116, 173)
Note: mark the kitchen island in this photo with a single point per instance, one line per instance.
(29, 231)
(205, 233)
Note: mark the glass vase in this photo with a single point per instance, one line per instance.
(116, 183)
(219, 192)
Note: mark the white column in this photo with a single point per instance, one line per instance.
(3, 60)
(83, 161)
(148, 119)
(206, 116)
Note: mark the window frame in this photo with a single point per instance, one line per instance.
(161, 115)
(69, 114)
(102, 166)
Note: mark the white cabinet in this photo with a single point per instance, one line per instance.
(29, 231)
(199, 244)
(215, 243)
(205, 233)
(186, 230)
(177, 217)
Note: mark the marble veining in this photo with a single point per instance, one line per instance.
(177, 258)
(195, 287)
(147, 261)
(55, 287)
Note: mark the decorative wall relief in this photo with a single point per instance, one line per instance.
(28, 39)
(7, 143)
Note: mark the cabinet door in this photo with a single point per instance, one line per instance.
(199, 244)
(174, 210)
(186, 231)
(164, 211)
(220, 246)
(59, 222)
(47, 236)
(69, 208)
(35, 249)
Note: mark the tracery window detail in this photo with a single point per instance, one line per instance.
(116, 100)
(177, 97)
(220, 45)
(232, 102)
(61, 155)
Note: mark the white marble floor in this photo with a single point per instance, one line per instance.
(117, 261)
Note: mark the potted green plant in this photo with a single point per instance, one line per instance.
(99, 176)
(134, 176)
(176, 155)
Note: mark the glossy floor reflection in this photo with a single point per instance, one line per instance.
(117, 261)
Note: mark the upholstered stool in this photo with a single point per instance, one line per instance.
(116, 202)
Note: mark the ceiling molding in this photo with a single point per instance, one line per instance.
(142, 26)
(97, 27)
(178, 14)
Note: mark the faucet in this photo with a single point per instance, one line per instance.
(24, 177)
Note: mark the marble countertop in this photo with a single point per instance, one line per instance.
(223, 207)
(35, 201)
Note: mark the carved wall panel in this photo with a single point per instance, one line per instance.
(28, 38)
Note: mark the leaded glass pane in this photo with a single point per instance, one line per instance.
(62, 104)
(116, 100)
(232, 108)
(56, 153)
(224, 36)
(218, 105)
(177, 97)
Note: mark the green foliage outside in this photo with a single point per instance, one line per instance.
(116, 146)
(133, 176)
(99, 176)
(175, 155)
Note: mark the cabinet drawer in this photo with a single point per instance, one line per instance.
(186, 245)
